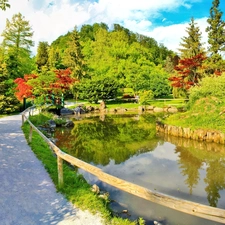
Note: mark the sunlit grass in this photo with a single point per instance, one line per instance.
(205, 114)
(113, 104)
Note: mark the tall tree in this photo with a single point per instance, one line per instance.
(8, 102)
(18, 33)
(42, 55)
(191, 45)
(216, 36)
(73, 57)
(17, 39)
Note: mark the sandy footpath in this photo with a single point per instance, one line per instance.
(27, 194)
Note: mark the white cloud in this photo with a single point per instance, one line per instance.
(52, 18)
(171, 35)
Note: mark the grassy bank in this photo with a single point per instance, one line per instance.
(75, 189)
(207, 113)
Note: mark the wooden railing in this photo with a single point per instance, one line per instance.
(196, 209)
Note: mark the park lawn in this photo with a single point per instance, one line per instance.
(113, 104)
(207, 113)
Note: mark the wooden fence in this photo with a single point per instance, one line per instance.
(192, 208)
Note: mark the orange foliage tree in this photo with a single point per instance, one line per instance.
(33, 86)
(23, 89)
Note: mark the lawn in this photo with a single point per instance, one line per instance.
(119, 103)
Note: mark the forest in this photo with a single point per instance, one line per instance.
(96, 63)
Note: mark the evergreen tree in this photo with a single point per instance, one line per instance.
(73, 57)
(216, 29)
(17, 39)
(18, 33)
(8, 102)
(216, 38)
(42, 55)
(55, 58)
(191, 45)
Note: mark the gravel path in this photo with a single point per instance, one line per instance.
(27, 194)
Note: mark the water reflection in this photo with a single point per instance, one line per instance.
(97, 141)
(192, 156)
(128, 147)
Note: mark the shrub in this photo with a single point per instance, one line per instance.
(146, 97)
(213, 86)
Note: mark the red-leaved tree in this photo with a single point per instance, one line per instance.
(32, 86)
(189, 72)
(23, 89)
(63, 81)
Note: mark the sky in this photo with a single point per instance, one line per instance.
(164, 20)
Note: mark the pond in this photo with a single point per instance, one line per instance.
(127, 146)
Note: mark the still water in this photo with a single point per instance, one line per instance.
(128, 147)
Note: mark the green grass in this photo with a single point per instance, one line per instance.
(75, 188)
(178, 103)
(205, 114)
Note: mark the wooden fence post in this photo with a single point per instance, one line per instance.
(22, 119)
(30, 134)
(60, 171)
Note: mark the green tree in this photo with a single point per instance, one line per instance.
(17, 40)
(97, 88)
(97, 26)
(4, 4)
(8, 102)
(216, 37)
(55, 60)
(57, 50)
(86, 33)
(191, 45)
(158, 52)
(42, 55)
(18, 33)
(73, 57)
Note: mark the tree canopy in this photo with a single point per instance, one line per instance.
(4, 4)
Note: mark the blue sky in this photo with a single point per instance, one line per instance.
(164, 20)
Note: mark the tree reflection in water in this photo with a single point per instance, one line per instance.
(192, 156)
(121, 137)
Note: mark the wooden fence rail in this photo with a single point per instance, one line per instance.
(192, 208)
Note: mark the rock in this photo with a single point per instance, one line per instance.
(172, 110)
(149, 107)
(157, 109)
(90, 108)
(102, 106)
(95, 189)
(141, 109)
(156, 223)
(51, 124)
(104, 196)
(79, 110)
(69, 123)
(65, 111)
